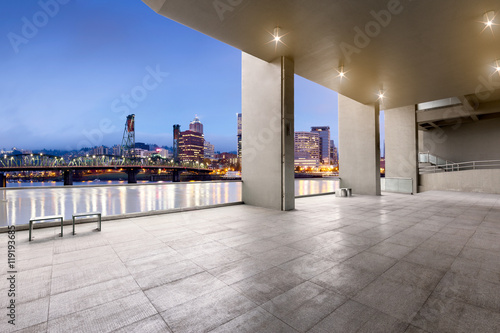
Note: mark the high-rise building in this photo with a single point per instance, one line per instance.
(324, 142)
(116, 150)
(209, 150)
(239, 136)
(191, 146)
(196, 125)
(177, 135)
(142, 145)
(334, 154)
(100, 150)
(307, 149)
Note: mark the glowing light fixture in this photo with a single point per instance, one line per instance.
(277, 37)
(276, 34)
(381, 94)
(342, 72)
(497, 65)
(489, 20)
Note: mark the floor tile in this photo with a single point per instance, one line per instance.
(344, 279)
(106, 317)
(398, 300)
(307, 266)
(181, 291)
(266, 285)
(208, 311)
(355, 317)
(448, 315)
(414, 275)
(304, 306)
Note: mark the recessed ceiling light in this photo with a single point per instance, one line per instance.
(342, 73)
(277, 37)
(276, 34)
(381, 95)
(489, 20)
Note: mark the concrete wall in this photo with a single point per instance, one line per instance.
(401, 140)
(268, 133)
(359, 146)
(484, 181)
(474, 141)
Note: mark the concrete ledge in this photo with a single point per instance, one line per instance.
(21, 227)
(313, 195)
(481, 181)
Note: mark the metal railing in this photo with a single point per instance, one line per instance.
(441, 165)
(432, 159)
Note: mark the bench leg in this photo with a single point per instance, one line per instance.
(31, 226)
(73, 225)
(99, 222)
(61, 227)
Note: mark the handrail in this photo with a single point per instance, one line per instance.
(461, 166)
(432, 159)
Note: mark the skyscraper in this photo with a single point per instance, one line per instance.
(239, 136)
(177, 135)
(209, 150)
(324, 142)
(307, 149)
(191, 146)
(196, 125)
(334, 154)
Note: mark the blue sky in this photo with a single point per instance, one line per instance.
(69, 78)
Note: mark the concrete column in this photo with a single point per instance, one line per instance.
(3, 180)
(68, 177)
(132, 175)
(401, 144)
(359, 146)
(268, 132)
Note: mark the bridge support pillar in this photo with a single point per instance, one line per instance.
(3, 180)
(132, 176)
(176, 176)
(68, 177)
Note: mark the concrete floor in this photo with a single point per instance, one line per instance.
(396, 263)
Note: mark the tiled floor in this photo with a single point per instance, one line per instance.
(396, 263)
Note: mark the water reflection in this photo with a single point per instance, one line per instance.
(315, 186)
(18, 206)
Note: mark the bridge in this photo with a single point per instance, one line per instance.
(131, 165)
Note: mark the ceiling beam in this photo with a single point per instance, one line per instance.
(470, 104)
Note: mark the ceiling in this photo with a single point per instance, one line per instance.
(417, 51)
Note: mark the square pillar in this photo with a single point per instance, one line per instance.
(401, 144)
(3, 180)
(359, 146)
(268, 132)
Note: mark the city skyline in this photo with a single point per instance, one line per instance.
(69, 84)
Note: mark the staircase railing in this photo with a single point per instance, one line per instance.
(438, 164)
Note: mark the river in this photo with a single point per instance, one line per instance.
(18, 203)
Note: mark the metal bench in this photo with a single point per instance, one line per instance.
(45, 218)
(345, 192)
(98, 214)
